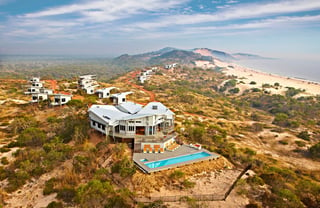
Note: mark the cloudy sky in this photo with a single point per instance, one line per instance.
(274, 28)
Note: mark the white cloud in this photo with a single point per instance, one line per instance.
(235, 12)
(107, 10)
(3, 2)
(231, 2)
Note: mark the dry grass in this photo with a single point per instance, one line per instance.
(143, 183)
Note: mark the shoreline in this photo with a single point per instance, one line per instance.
(312, 88)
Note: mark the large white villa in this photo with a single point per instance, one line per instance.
(150, 128)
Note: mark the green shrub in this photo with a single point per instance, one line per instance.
(49, 186)
(315, 150)
(188, 184)
(31, 137)
(284, 142)
(4, 161)
(94, 194)
(4, 149)
(304, 135)
(55, 204)
(125, 167)
(234, 90)
(66, 194)
(177, 174)
(300, 143)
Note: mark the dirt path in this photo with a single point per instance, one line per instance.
(132, 75)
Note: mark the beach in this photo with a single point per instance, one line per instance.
(247, 76)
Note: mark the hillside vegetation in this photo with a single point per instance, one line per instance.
(51, 153)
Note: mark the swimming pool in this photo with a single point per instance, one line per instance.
(170, 161)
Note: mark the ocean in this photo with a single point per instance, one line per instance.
(306, 70)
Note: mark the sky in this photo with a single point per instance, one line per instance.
(271, 28)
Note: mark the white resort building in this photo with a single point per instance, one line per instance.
(145, 74)
(60, 99)
(119, 97)
(104, 92)
(37, 91)
(149, 128)
(88, 83)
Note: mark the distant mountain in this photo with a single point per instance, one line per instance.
(179, 56)
(162, 56)
(246, 56)
(170, 55)
(214, 53)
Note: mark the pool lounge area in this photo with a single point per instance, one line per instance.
(149, 163)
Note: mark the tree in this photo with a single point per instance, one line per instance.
(31, 137)
(234, 90)
(94, 194)
(281, 119)
(21, 123)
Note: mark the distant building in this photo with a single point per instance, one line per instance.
(60, 99)
(88, 83)
(105, 92)
(38, 97)
(119, 97)
(171, 66)
(35, 86)
(37, 91)
(145, 75)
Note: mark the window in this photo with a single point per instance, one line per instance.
(33, 90)
(56, 100)
(123, 100)
(103, 127)
(34, 98)
(122, 128)
(93, 123)
(108, 94)
(154, 107)
(138, 121)
(99, 125)
(63, 100)
(40, 98)
(131, 121)
(131, 128)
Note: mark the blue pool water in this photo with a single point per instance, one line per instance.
(170, 161)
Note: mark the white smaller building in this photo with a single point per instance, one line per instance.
(120, 97)
(32, 90)
(105, 92)
(60, 99)
(34, 79)
(171, 66)
(142, 79)
(37, 84)
(88, 83)
(38, 97)
(46, 91)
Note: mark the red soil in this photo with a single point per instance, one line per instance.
(133, 75)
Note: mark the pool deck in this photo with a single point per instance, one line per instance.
(182, 150)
